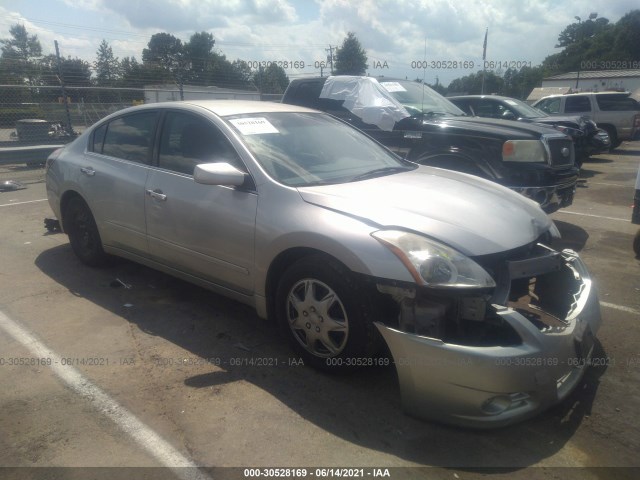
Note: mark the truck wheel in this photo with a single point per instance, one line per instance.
(326, 314)
(613, 136)
(83, 233)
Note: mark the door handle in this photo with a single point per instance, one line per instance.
(88, 171)
(157, 194)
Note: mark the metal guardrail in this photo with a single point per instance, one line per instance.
(30, 154)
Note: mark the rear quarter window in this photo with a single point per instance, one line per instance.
(609, 103)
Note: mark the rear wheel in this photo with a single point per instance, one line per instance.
(326, 314)
(83, 233)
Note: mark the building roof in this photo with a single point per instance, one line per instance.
(584, 74)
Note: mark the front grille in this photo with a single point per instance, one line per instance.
(561, 151)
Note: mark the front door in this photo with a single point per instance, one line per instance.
(202, 230)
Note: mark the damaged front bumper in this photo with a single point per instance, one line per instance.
(491, 386)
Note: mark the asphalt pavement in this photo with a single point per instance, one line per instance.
(127, 367)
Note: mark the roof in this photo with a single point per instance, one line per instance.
(539, 92)
(172, 87)
(596, 74)
(224, 108)
(497, 97)
(221, 108)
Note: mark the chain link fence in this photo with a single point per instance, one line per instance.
(39, 115)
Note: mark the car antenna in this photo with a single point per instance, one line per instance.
(424, 74)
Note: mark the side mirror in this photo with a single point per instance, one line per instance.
(218, 174)
(508, 115)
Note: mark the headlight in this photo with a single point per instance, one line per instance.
(523, 151)
(433, 264)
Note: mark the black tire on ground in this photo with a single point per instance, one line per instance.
(613, 136)
(326, 314)
(636, 244)
(83, 233)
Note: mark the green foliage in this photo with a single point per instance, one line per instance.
(106, 66)
(200, 52)
(167, 52)
(583, 44)
(472, 84)
(20, 54)
(351, 58)
(596, 42)
(271, 79)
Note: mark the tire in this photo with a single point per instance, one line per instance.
(83, 233)
(636, 244)
(613, 137)
(326, 315)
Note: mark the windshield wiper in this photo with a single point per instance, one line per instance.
(378, 172)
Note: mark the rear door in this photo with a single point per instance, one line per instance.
(113, 175)
(203, 230)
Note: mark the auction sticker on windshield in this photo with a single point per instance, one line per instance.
(393, 87)
(254, 126)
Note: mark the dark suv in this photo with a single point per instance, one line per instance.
(421, 125)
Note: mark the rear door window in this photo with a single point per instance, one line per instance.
(577, 104)
(130, 137)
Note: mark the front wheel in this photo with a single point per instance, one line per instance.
(326, 314)
(83, 233)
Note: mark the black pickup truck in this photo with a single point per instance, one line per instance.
(421, 125)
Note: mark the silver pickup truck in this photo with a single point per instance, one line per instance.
(615, 112)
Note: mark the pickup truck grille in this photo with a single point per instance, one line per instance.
(561, 151)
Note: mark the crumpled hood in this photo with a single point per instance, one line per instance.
(472, 215)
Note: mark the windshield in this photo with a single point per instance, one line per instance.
(524, 110)
(303, 149)
(417, 98)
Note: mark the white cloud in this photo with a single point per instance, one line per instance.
(392, 31)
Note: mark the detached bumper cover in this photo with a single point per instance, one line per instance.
(487, 387)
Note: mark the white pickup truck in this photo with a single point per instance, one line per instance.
(615, 112)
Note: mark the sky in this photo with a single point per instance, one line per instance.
(401, 37)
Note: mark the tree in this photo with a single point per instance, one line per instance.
(272, 79)
(578, 32)
(627, 37)
(168, 52)
(472, 84)
(351, 58)
(106, 66)
(19, 56)
(199, 49)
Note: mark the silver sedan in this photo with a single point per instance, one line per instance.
(348, 247)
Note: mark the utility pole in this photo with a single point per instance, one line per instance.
(69, 128)
(330, 56)
(484, 57)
